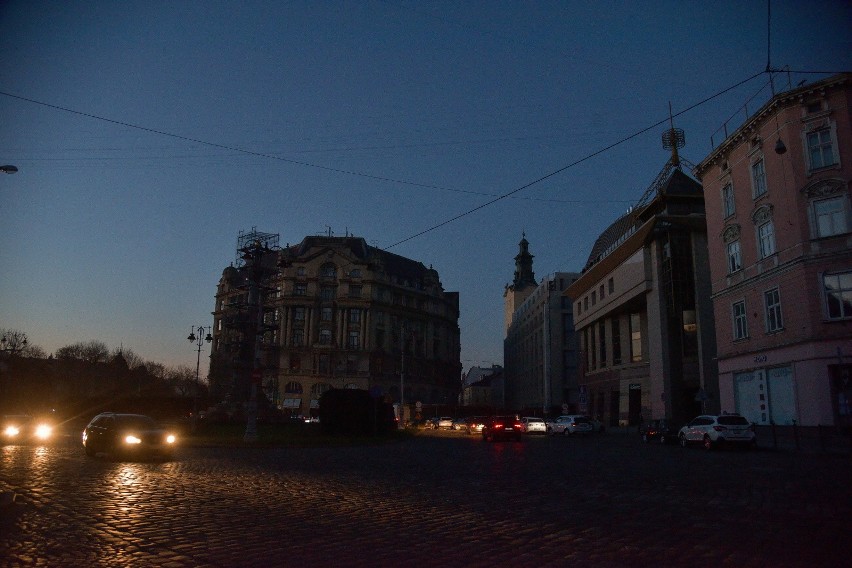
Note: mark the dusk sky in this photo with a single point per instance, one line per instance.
(148, 134)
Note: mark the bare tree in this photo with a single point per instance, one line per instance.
(133, 360)
(90, 352)
(13, 341)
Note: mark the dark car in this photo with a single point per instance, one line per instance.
(502, 428)
(128, 435)
(24, 429)
(661, 430)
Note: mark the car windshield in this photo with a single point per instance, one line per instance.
(733, 421)
(140, 422)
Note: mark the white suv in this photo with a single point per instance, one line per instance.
(712, 430)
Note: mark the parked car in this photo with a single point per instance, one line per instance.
(533, 425)
(569, 425)
(127, 435)
(475, 424)
(444, 422)
(460, 424)
(661, 430)
(502, 428)
(716, 430)
(24, 429)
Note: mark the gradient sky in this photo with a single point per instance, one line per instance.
(194, 120)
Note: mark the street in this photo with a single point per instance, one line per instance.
(436, 500)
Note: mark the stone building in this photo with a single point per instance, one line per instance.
(779, 219)
(643, 313)
(333, 312)
(540, 347)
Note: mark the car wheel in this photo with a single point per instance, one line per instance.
(682, 441)
(645, 438)
(566, 432)
(707, 443)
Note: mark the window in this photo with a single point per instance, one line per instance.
(354, 291)
(354, 340)
(299, 314)
(820, 151)
(354, 315)
(325, 314)
(734, 258)
(355, 273)
(594, 298)
(586, 303)
(766, 239)
(328, 270)
(616, 341)
(611, 284)
(740, 323)
(298, 337)
(325, 337)
(831, 216)
(300, 289)
(601, 292)
(602, 342)
(758, 178)
(838, 295)
(300, 271)
(326, 294)
(728, 200)
(772, 303)
(635, 338)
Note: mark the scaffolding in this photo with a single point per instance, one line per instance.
(246, 238)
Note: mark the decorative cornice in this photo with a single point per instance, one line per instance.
(731, 233)
(823, 187)
(762, 214)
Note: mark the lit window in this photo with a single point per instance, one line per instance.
(766, 239)
(728, 200)
(734, 257)
(838, 295)
(772, 302)
(831, 216)
(758, 178)
(740, 321)
(635, 338)
(820, 150)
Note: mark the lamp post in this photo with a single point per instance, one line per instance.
(199, 341)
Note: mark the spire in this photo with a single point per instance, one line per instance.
(524, 274)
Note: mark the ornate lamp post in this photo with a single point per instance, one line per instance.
(199, 341)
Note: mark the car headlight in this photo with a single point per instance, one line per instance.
(171, 439)
(131, 439)
(11, 431)
(43, 431)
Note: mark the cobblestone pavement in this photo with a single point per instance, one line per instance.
(437, 500)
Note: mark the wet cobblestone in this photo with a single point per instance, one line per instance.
(436, 500)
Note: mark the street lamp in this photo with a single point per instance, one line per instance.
(199, 341)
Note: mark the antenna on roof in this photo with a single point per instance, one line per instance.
(673, 138)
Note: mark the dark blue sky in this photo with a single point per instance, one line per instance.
(380, 118)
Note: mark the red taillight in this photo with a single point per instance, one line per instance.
(498, 425)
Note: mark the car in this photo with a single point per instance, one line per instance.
(475, 424)
(24, 429)
(502, 428)
(460, 424)
(444, 422)
(712, 431)
(128, 435)
(570, 424)
(661, 430)
(533, 425)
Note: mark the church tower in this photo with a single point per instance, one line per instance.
(522, 285)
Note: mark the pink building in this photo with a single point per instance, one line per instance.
(779, 228)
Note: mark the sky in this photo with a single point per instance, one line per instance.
(148, 134)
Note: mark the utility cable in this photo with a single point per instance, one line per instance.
(576, 162)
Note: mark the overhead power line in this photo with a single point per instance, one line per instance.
(576, 162)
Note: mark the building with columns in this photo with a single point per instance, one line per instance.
(335, 312)
(643, 312)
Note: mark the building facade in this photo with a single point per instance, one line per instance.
(779, 219)
(334, 312)
(643, 313)
(540, 347)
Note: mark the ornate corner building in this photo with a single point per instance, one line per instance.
(332, 312)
